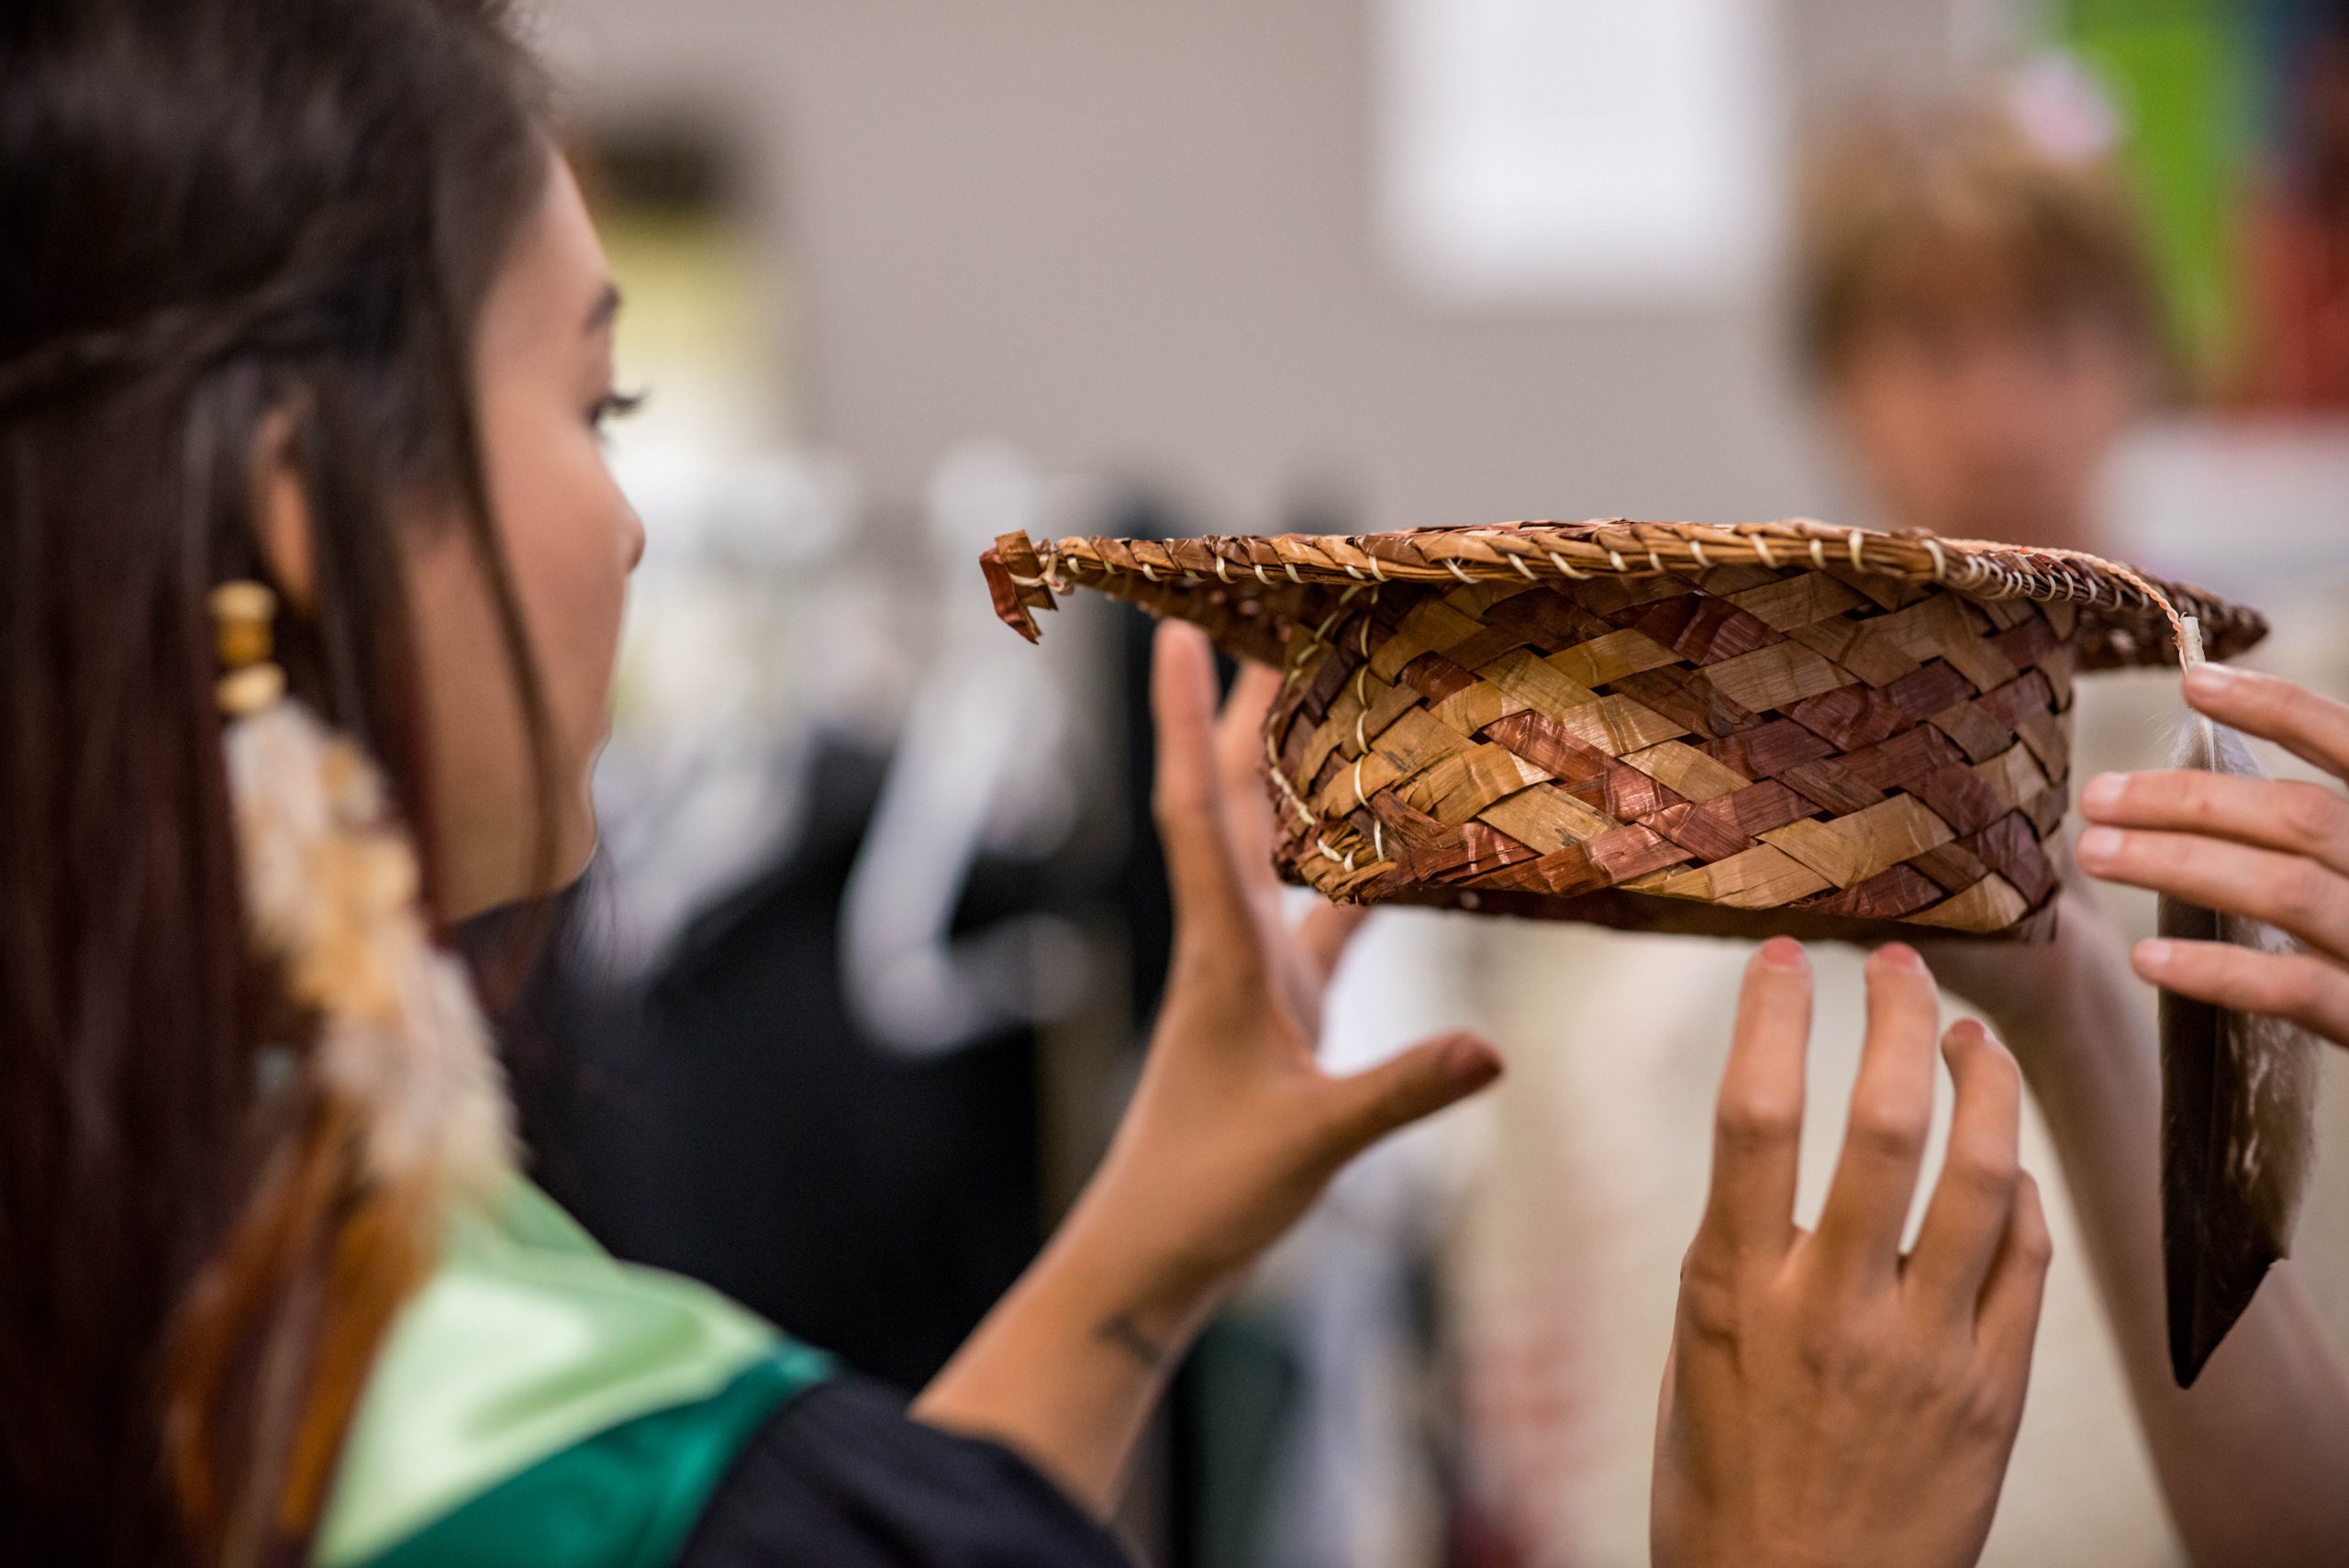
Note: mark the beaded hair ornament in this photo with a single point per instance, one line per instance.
(398, 1097)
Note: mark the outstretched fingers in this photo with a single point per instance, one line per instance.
(2292, 893)
(1892, 1109)
(1242, 768)
(1967, 1218)
(2008, 1320)
(2313, 728)
(1212, 917)
(1757, 1120)
(1415, 1083)
(2310, 991)
(2290, 815)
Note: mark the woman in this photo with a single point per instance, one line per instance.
(303, 353)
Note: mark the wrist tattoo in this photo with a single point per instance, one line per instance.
(1122, 1332)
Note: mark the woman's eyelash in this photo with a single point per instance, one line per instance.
(614, 406)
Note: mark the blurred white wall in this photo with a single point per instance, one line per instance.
(1139, 238)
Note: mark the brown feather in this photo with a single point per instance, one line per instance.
(381, 1256)
(277, 1337)
(2236, 1120)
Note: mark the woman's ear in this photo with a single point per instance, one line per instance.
(281, 510)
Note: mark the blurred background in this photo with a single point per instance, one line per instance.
(850, 1000)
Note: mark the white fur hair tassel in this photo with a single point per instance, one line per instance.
(330, 886)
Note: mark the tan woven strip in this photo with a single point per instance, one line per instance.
(1470, 708)
(1852, 849)
(1990, 905)
(1687, 770)
(1543, 683)
(1791, 602)
(1546, 818)
(1612, 657)
(1457, 788)
(1774, 677)
(1858, 647)
(2013, 777)
(1616, 725)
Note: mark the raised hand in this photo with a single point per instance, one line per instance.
(1829, 1401)
(2275, 850)
(1234, 1128)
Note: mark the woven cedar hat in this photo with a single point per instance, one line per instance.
(1771, 727)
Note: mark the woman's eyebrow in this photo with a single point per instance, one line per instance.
(607, 305)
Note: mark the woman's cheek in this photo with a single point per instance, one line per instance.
(483, 804)
(581, 638)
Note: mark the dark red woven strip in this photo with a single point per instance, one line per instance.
(1435, 677)
(2011, 847)
(1547, 620)
(1769, 749)
(1545, 743)
(1929, 689)
(1705, 630)
(1690, 700)
(1633, 850)
(1830, 787)
(1953, 866)
(1888, 895)
(1852, 717)
(1708, 837)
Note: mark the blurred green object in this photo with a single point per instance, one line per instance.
(2182, 76)
(1245, 1386)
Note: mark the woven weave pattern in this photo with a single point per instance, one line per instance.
(1762, 727)
(1236, 585)
(1817, 743)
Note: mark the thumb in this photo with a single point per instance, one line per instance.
(1413, 1084)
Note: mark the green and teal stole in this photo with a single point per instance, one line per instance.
(540, 1402)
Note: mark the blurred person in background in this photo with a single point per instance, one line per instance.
(311, 574)
(1979, 314)
(1978, 317)
(1979, 320)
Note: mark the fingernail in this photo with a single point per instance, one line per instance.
(2103, 792)
(2155, 952)
(1970, 1027)
(2209, 679)
(2099, 844)
(1900, 955)
(1784, 952)
(1471, 1064)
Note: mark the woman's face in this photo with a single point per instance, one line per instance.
(543, 385)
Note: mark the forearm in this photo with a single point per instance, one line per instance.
(2255, 1459)
(1068, 1366)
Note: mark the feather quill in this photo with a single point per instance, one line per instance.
(2237, 1091)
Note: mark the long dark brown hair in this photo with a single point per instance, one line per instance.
(217, 212)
